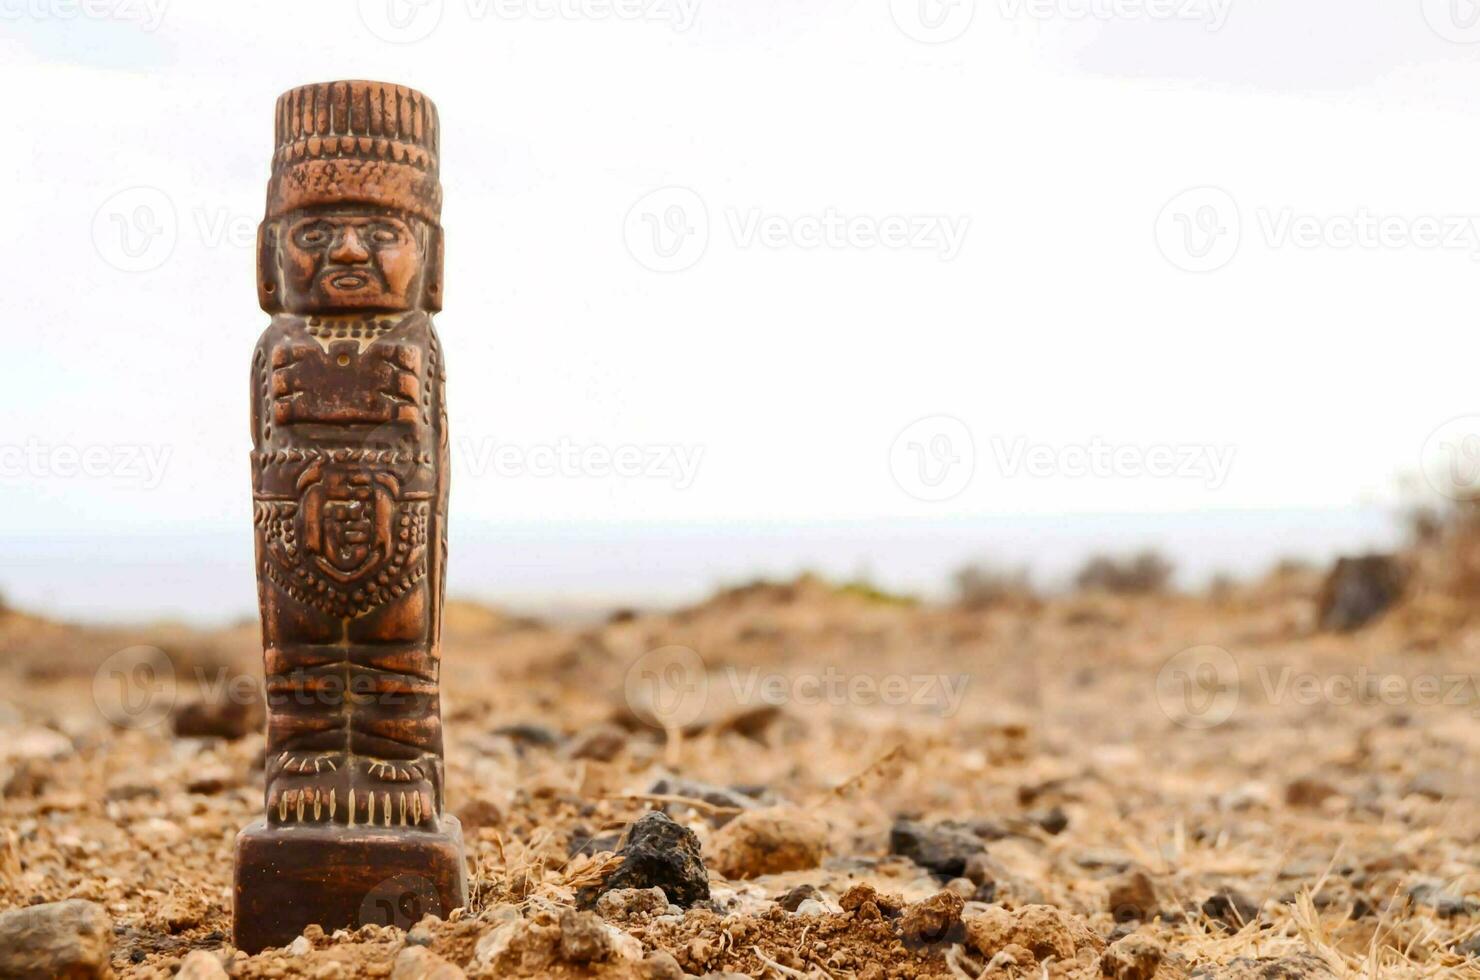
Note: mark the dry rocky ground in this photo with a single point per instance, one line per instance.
(1084, 786)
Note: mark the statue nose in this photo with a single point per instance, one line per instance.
(348, 248)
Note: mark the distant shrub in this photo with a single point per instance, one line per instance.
(1144, 574)
(983, 586)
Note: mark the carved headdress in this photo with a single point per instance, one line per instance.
(343, 144)
(355, 142)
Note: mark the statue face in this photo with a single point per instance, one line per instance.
(348, 260)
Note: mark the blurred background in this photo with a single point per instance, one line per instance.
(877, 289)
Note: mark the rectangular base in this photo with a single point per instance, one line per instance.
(342, 878)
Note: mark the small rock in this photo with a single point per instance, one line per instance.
(1053, 820)
(58, 939)
(1132, 897)
(631, 903)
(941, 849)
(584, 938)
(1445, 904)
(1358, 590)
(231, 717)
(201, 965)
(661, 965)
(1232, 909)
(420, 963)
(1038, 931)
(719, 796)
(1470, 947)
(420, 934)
(156, 833)
(213, 780)
(300, 947)
(770, 841)
(1302, 966)
(661, 853)
(35, 745)
(935, 920)
(1309, 792)
(581, 844)
(479, 813)
(183, 908)
(865, 902)
(797, 896)
(811, 906)
(603, 743)
(528, 736)
(1132, 958)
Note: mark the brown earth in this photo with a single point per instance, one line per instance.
(1163, 785)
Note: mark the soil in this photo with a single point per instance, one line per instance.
(1161, 786)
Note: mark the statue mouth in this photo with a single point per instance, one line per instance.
(349, 280)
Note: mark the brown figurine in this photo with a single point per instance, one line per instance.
(349, 481)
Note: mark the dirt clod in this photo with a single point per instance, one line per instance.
(770, 841)
(69, 939)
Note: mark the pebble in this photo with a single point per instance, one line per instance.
(300, 947)
(420, 963)
(663, 854)
(1132, 897)
(939, 848)
(35, 745)
(201, 965)
(601, 743)
(769, 841)
(1132, 958)
(796, 896)
(57, 939)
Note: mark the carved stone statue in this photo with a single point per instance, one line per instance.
(350, 482)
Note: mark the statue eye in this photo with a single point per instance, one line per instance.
(384, 235)
(313, 236)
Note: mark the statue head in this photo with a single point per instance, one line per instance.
(354, 204)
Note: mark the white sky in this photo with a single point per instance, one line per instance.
(1323, 370)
